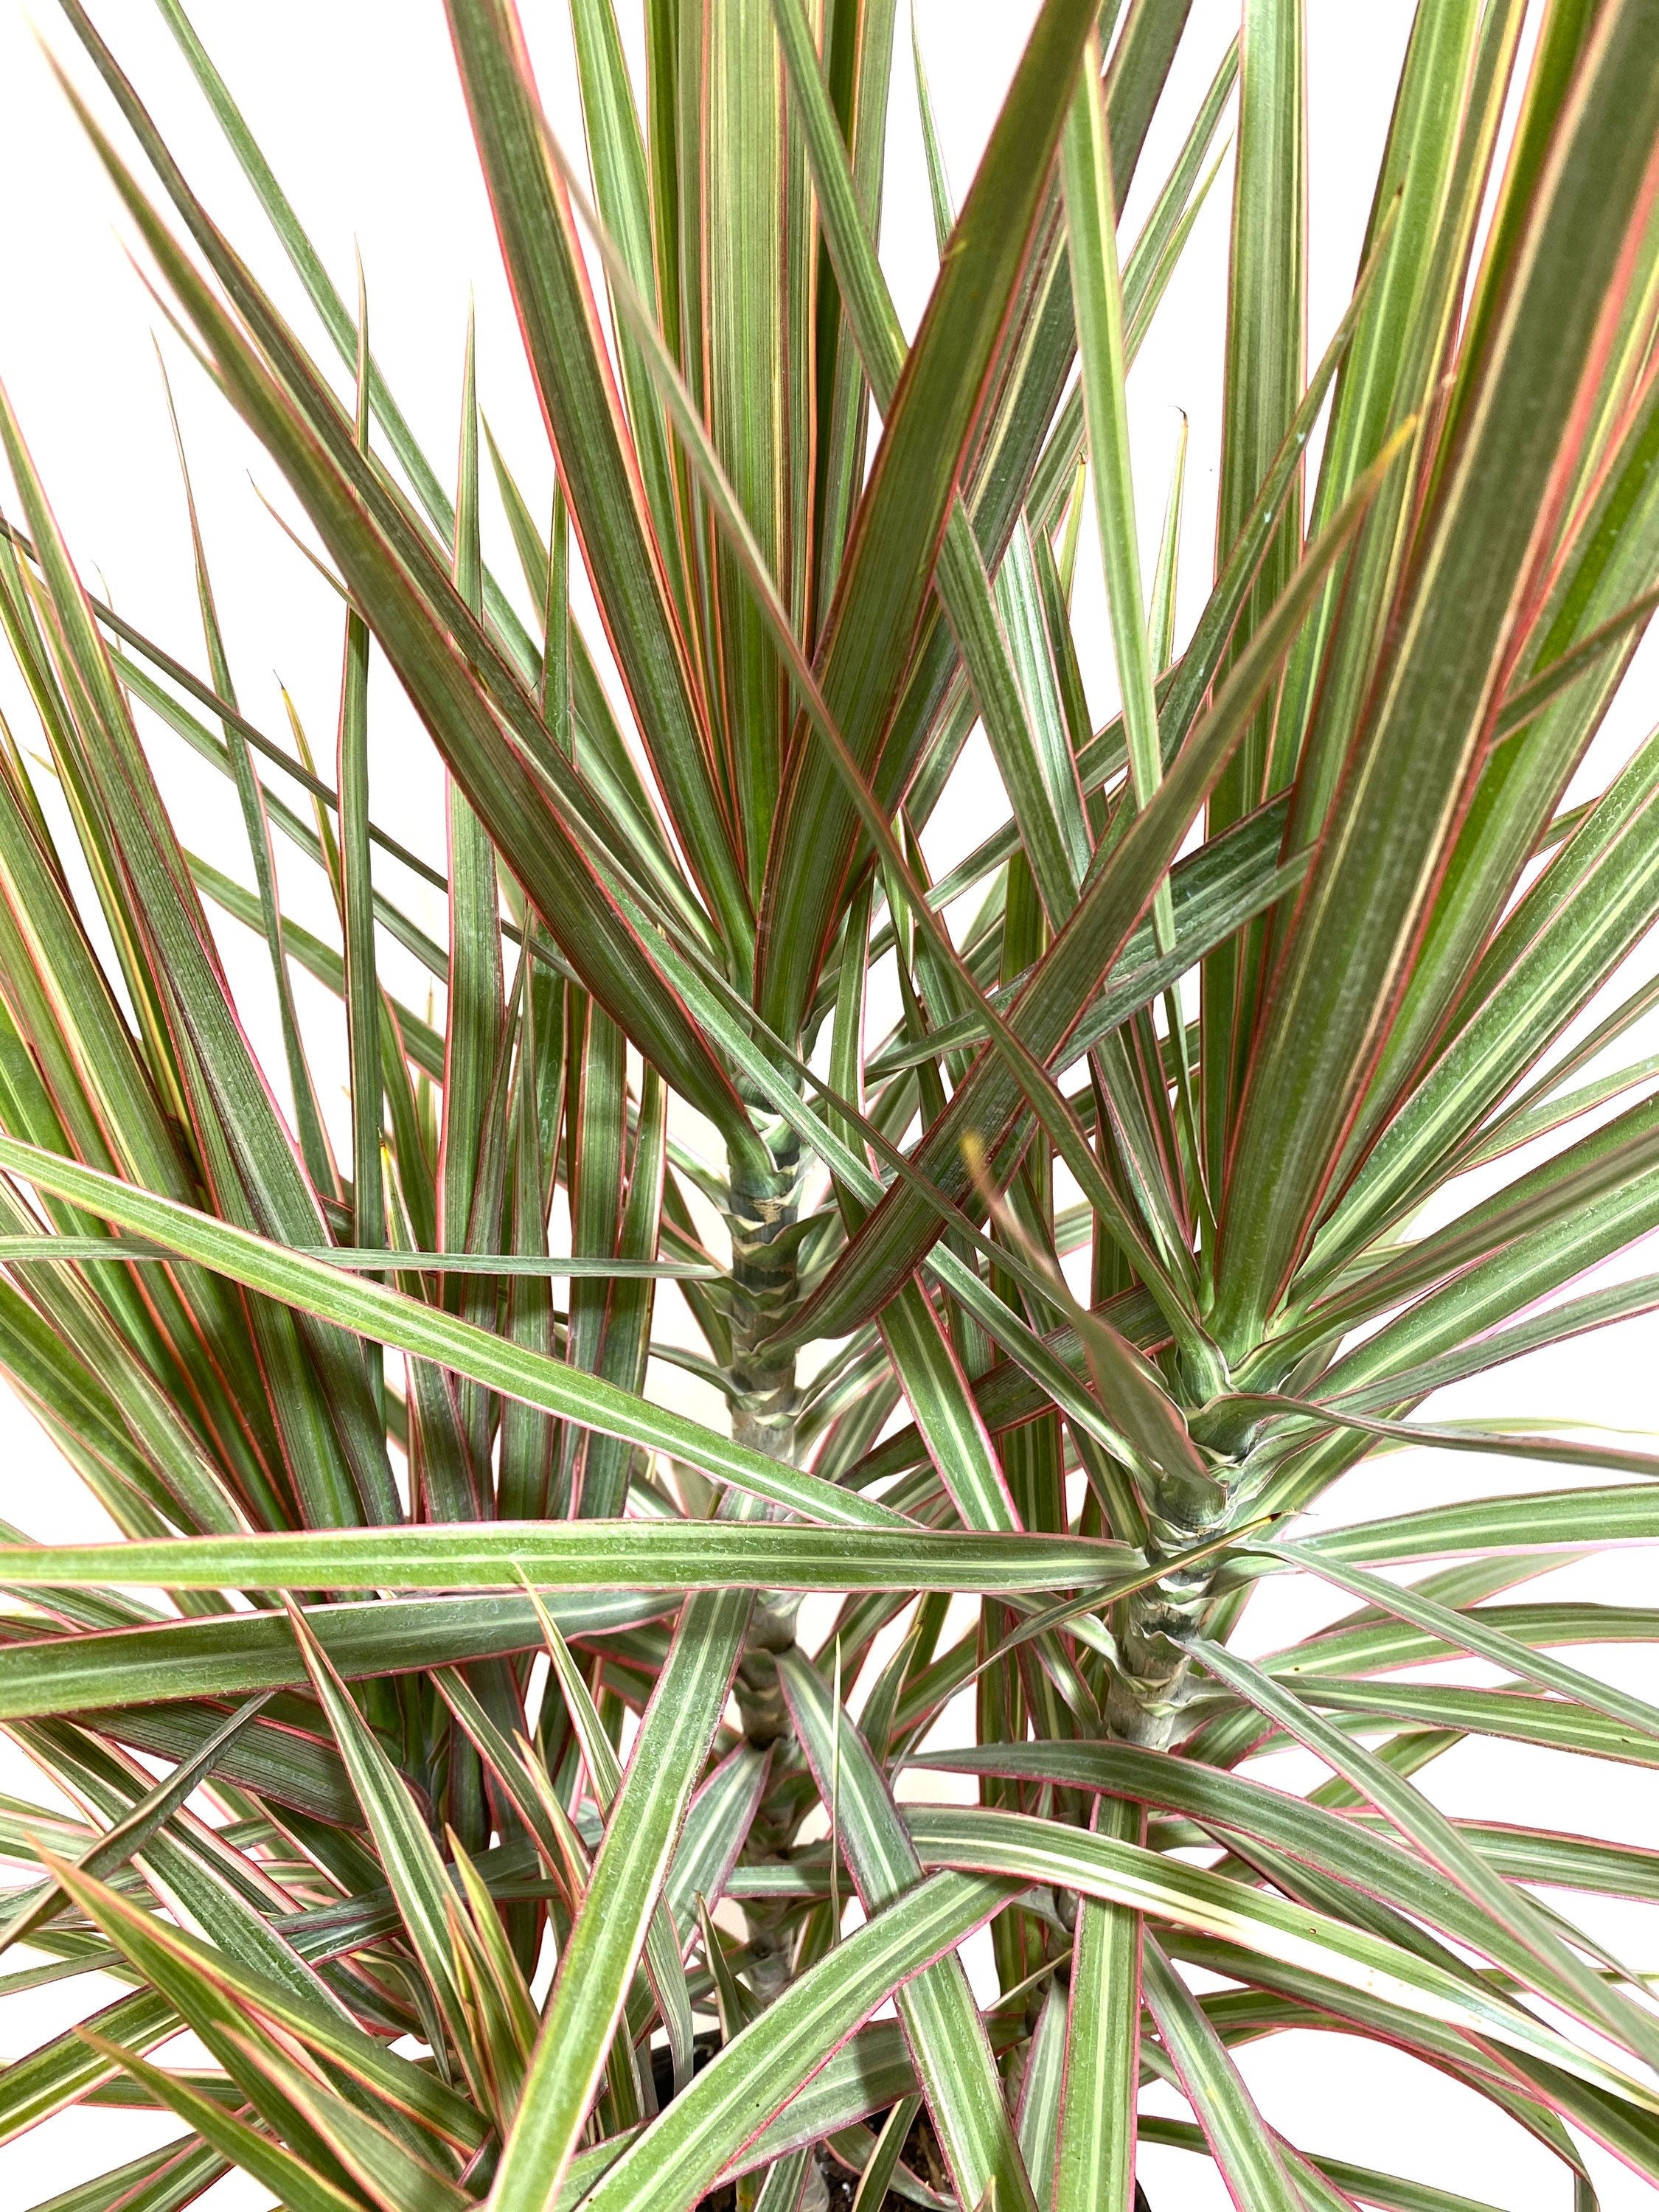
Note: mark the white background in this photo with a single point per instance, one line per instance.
(356, 105)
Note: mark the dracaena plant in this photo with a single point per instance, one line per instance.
(512, 1816)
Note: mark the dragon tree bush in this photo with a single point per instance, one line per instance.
(444, 1741)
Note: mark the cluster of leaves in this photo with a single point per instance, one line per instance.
(478, 1675)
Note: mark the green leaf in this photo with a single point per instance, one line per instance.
(374, 1258)
(1440, 139)
(1095, 2160)
(161, 2181)
(748, 382)
(998, 632)
(1214, 890)
(630, 1304)
(1327, 1019)
(129, 1836)
(1239, 2140)
(1018, 1845)
(663, 1946)
(609, 1934)
(1565, 938)
(1041, 2090)
(228, 1988)
(324, 1409)
(67, 2069)
(1465, 1630)
(1387, 2191)
(380, 2165)
(715, 1826)
(953, 2058)
(1564, 1973)
(405, 1323)
(320, 289)
(870, 628)
(1097, 300)
(1523, 1717)
(313, 1143)
(688, 2147)
(617, 153)
(1553, 1519)
(1265, 364)
(1363, 1863)
(1525, 700)
(884, 2160)
(403, 1841)
(504, 785)
(361, 983)
(938, 1393)
(1051, 1004)
(636, 1555)
(1607, 557)
(1525, 1243)
(240, 1654)
(567, 353)
(299, 2186)
(1570, 1861)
